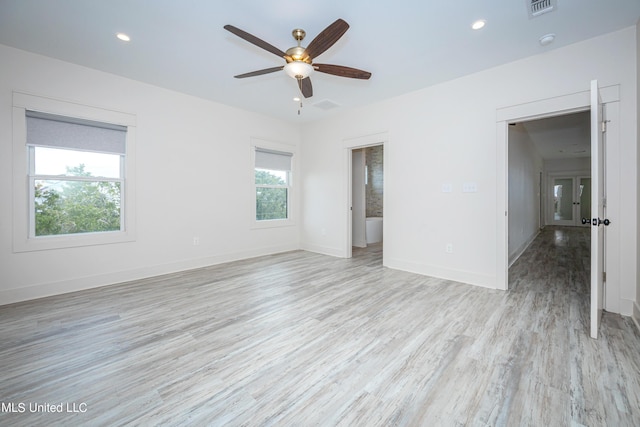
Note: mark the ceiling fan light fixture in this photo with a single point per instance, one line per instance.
(298, 69)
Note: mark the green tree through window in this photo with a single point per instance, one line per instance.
(271, 195)
(76, 206)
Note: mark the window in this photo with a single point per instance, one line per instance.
(272, 184)
(76, 175)
(78, 163)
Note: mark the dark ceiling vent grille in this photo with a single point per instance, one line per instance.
(538, 7)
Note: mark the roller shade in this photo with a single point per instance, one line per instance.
(49, 130)
(273, 160)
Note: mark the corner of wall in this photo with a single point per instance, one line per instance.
(636, 305)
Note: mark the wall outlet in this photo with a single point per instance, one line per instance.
(449, 248)
(196, 241)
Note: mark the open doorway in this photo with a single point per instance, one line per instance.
(365, 158)
(604, 108)
(549, 176)
(367, 196)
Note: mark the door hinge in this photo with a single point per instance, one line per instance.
(604, 276)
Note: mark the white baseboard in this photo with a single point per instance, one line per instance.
(443, 273)
(11, 296)
(513, 258)
(324, 250)
(359, 243)
(636, 314)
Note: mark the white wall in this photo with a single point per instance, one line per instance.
(193, 180)
(636, 311)
(525, 166)
(447, 134)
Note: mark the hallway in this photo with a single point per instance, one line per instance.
(550, 283)
(556, 268)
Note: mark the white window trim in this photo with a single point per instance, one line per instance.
(22, 242)
(292, 193)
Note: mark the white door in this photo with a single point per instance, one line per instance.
(584, 200)
(597, 210)
(358, 199)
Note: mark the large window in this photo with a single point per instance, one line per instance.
(272, 178)
(77, 162)
(76, 175)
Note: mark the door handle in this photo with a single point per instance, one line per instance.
(597, 221)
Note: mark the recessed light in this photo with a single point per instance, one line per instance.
(123, 37)
(296, 99)
(478, 24)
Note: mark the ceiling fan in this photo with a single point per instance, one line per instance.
(300, 59)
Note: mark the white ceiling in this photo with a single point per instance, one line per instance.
(561, 137)
(405, 44)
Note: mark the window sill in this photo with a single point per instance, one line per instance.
(71, 241)
(272, 223)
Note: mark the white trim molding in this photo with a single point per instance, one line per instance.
(636, 314)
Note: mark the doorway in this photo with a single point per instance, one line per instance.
(357, 172)
(367, 196)
(597, 100)
(549, 167)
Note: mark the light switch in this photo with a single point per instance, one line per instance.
(447, 187)
(469, 187)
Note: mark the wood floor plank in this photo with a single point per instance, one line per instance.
(305, 339)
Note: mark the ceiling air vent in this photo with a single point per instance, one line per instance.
(326, 104)
(539, 7)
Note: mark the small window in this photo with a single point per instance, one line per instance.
(272, 178)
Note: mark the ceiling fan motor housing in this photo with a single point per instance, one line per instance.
(297, 53)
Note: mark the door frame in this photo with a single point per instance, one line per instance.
(348, 145)
(538, 109)
(358, 200)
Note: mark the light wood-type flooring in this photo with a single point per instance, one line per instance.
(302, 339)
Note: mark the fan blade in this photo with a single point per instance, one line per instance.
(326, 38)
(254, 40)
(339, 70)
(305, 87)
(259, 72)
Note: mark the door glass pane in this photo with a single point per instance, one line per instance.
(585, 197)
(563, 199)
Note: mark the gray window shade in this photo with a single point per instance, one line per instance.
(48, 130)
(273, 160)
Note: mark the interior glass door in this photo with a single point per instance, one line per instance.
(563, 202)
